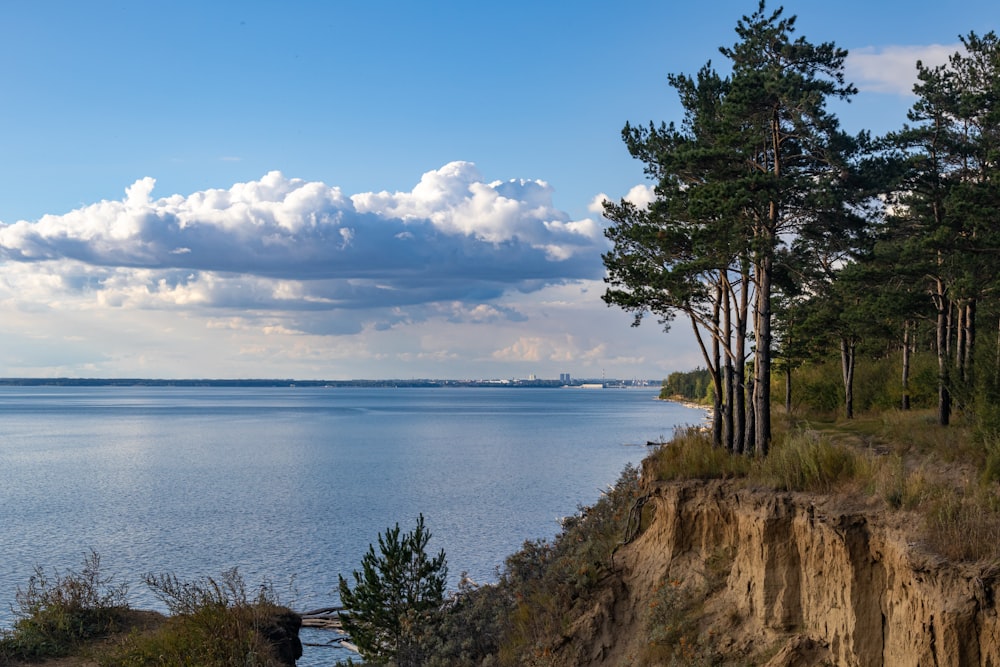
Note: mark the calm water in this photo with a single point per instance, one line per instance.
(292, 484)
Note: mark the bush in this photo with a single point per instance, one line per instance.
(544, 581)
(470, 628)
(209, 637)
(229, 590)
(56, 613)
(214, 623)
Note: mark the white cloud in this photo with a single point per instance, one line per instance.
(282, 277)
(291, 244)
(893, 69)
(596, 204)
(641, 195)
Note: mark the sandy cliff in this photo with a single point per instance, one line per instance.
(782, 580)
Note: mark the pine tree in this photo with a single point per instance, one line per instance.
(943, 231)
(758, 161)
(396, 595)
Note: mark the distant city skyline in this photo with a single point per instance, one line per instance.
(347, 190)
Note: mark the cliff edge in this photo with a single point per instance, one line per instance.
(737, 575)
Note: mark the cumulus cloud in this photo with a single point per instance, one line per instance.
(893, 69)
(641, 195)
(290, 244)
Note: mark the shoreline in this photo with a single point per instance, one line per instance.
(687, 403)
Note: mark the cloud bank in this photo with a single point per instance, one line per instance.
(286, 244)
(893, 69)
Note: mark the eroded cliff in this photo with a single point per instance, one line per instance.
(781, 579)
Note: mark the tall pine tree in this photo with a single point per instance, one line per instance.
(756, 163)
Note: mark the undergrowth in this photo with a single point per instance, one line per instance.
(675, 625)
(56, 613)
(545, 581)
(214, 622)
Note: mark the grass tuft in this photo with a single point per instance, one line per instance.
(691, 455)
(803, 461)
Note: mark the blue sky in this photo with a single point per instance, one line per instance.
(358, 189)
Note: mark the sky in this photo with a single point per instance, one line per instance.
(361, 189)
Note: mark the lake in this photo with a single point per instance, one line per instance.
(291, 485)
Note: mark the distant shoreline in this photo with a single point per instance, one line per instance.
(273, 382)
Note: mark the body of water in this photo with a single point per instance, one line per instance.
(291, 485)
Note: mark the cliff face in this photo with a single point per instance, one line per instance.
(782, 579)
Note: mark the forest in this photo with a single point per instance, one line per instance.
(786, 242)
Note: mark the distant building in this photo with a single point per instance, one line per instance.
(564, 378)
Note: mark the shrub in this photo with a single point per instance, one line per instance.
(229, 590)
(56, 613)
(544, 581)
(470, 628)
(817, 387)
(209, 637)
(673, 624)
(215, 623)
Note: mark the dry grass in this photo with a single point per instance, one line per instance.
(944, 476)
(690, 455)
(804, 461)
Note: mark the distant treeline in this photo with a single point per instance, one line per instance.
(693, 385)
(150, 382)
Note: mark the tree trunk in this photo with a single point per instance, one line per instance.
(970, 343)
(906, 366)
(712, 362)
(960, 331)
(847, 368)
(740, 364)
(727, 333)
(788, 389)
(996, 363)
(762, 358)
(718, 422)
(944, 365)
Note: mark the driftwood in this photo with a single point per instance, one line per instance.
(328, 618)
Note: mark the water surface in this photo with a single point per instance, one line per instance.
(292, 484)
